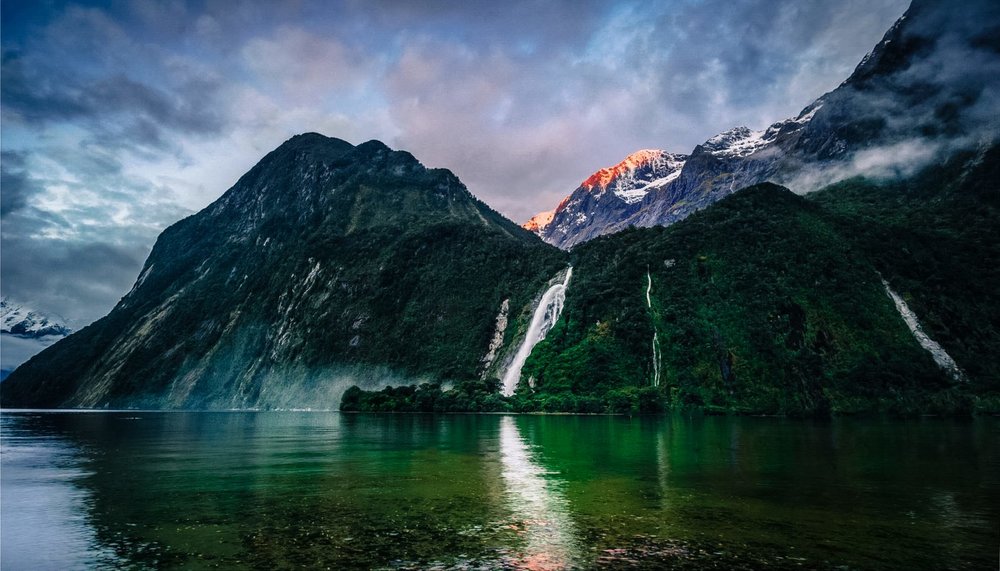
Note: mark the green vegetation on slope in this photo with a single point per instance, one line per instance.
(936, 238)
(759, 305)
(765, 302)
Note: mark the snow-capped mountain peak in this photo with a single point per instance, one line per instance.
(604, 193)
(15, 319)
(603, 177)
(736, 142)
(741, 142)
(538, 222)
(636, 175)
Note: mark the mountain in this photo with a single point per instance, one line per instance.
(20, 321)
(933, 237)
(607, 196)
(24, 332)
(757, 303)
(767, 302)
(923, 93)
(327, 264)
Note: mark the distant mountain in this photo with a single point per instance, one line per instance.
(607, 196)
(923, 93)
(20, 321)
(327, 264)
(24, 332)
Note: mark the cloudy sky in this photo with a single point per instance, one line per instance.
(121, 117)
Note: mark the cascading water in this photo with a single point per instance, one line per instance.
(656, 341)
(940, 356)
(545, 316)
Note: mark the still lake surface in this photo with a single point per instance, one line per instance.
(277, 490)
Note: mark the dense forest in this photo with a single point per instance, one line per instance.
(772, 303)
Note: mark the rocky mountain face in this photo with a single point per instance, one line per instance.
(924, 92)
(326, 265)
(606, 197)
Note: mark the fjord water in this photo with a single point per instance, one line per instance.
(273, 490)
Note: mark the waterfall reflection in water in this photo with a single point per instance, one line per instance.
(540, 510)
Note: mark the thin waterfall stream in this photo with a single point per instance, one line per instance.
(656, 341)
(940, 356)
(546, 314)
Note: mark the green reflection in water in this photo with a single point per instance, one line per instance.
(287, 490)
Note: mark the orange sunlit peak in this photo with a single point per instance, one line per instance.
(539, 221)
(637, 159)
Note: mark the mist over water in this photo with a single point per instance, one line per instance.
(243, 490)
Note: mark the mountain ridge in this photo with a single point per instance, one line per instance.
(914, 97)
(302, 278)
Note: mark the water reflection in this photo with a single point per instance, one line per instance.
(541, 512)
(318, 490)
(43, 502)
(662, 467)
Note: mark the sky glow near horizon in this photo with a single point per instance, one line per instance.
(120, 118)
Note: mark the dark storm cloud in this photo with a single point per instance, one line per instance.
(73, 279)
(117, 108)
(15, 184)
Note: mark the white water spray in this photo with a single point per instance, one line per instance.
(656, 360)
(656, 341)
(545, 316)
(940, 356)
(649, 288)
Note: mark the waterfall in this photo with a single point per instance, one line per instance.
(656, 340)
(545, 316)
(656, 360)
(942, 358)
(649, 288)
